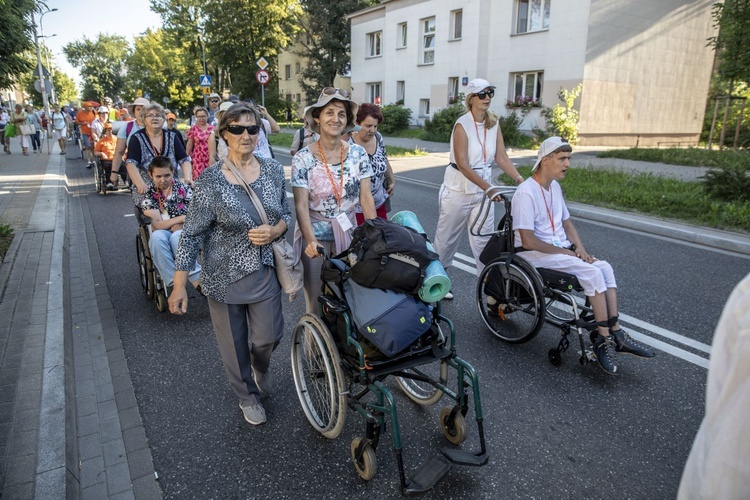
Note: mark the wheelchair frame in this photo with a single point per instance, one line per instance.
(151, 281)
(339, 371)
(100, 176)
(538, 295)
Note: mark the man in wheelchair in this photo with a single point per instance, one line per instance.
(166, 204)
(546, 235)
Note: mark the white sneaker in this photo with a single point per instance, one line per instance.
(254, 413)
(263, 381)
(448, 296)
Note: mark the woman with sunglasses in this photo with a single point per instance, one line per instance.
(201, 143)
(476, 141)
(150, 141)
(330, 179)
(238, 277)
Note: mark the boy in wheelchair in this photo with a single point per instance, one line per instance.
(166, 204)
(544, 232)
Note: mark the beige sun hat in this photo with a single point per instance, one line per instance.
(326, 98)
(139, 101)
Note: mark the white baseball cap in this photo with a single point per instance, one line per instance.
(478, 85)
(549, 146)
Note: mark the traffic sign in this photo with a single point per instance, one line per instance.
(206, 90)
(262, 77)
(262, 63)
(205, 81)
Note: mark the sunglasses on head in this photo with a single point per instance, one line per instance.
(240, 129)
(333, 91)
(486, 93)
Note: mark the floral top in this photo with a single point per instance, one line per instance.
(379, 162)
(217, 223)
(199, 154)
(309, 173)
(141, 152)
(174, 205)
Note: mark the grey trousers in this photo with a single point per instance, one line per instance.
(311, 274)
(247, 335)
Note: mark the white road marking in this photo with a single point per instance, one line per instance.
(468, 264)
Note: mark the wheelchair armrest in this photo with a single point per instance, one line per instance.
(333, 304)
(559, 280)
(141, 217)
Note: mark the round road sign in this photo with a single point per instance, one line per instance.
(262, 77)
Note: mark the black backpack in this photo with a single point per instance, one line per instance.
(388, 256)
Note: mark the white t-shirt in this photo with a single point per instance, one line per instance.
(532, 207)
(263, 148)
(58, 120)
(123, 132)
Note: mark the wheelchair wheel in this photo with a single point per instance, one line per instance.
(98, 179)
(147, 278)
(318, 376)
(423, 393)
(367, 466)
(161, 302)
(511, 299)
(456, 432)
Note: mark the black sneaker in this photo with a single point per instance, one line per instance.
(604, 348)
(626, 345)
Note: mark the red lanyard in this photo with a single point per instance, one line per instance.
(158, 153)
(483, 144)
(338, 194)
(162, 197)
(551, 203)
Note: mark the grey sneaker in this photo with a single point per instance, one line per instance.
(263, 381)
(604, 348)
(448, 296)
(254, 413)
(626, 345)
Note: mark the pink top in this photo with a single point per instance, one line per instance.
(199, 155)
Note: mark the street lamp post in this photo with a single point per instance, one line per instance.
(45, 101)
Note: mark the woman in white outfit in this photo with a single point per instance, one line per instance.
(476, 142)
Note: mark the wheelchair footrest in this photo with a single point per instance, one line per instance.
(460, 457)
(428, 475)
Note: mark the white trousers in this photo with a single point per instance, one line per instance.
(458, 210)
(594, 278)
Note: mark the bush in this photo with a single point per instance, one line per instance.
(728, 183)
(564, 120)
(440, 126)
(395, 119)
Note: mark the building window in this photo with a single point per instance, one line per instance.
(456, 24)
(373, 93)
(401, 36)
(288, 72)
(400, 91)
(374, 44)
(297, 68)
(428, 41)
(299, 98)
(527, 89)
(289, 98)
(452, 90)
(532, 15)
(424, 107)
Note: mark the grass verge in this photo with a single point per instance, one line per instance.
(651, 195)
(6, 238)
(694, 157)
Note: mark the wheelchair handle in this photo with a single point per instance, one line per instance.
(475, 229)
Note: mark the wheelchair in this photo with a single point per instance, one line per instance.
(335, 368)
(100, 176)
(152, 283)
(516, 299)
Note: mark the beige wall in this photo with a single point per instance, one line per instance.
(647, 71)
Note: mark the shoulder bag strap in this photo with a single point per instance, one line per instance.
(248, 190)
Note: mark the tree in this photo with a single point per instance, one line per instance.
(65, 87)
(564, 120)
(102, 64)
(163, 66)
(326, 46)
(16, 38)
(732, 44)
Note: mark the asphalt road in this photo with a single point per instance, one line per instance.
(553, 432)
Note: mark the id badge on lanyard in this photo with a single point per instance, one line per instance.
(344, 221)
(556, 241)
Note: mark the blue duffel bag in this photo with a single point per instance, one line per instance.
(390, 321)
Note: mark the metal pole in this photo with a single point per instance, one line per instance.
(263, 95)
(739, 124)
(205, 70)
(713, 124)
(41, 76)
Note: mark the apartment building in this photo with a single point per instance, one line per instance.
(644, 64)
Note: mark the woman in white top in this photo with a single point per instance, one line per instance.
(60, 125)
(476, 141)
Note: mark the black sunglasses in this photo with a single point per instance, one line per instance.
(214, 100)
(240, 129)
(485, 93)
(333, 90)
